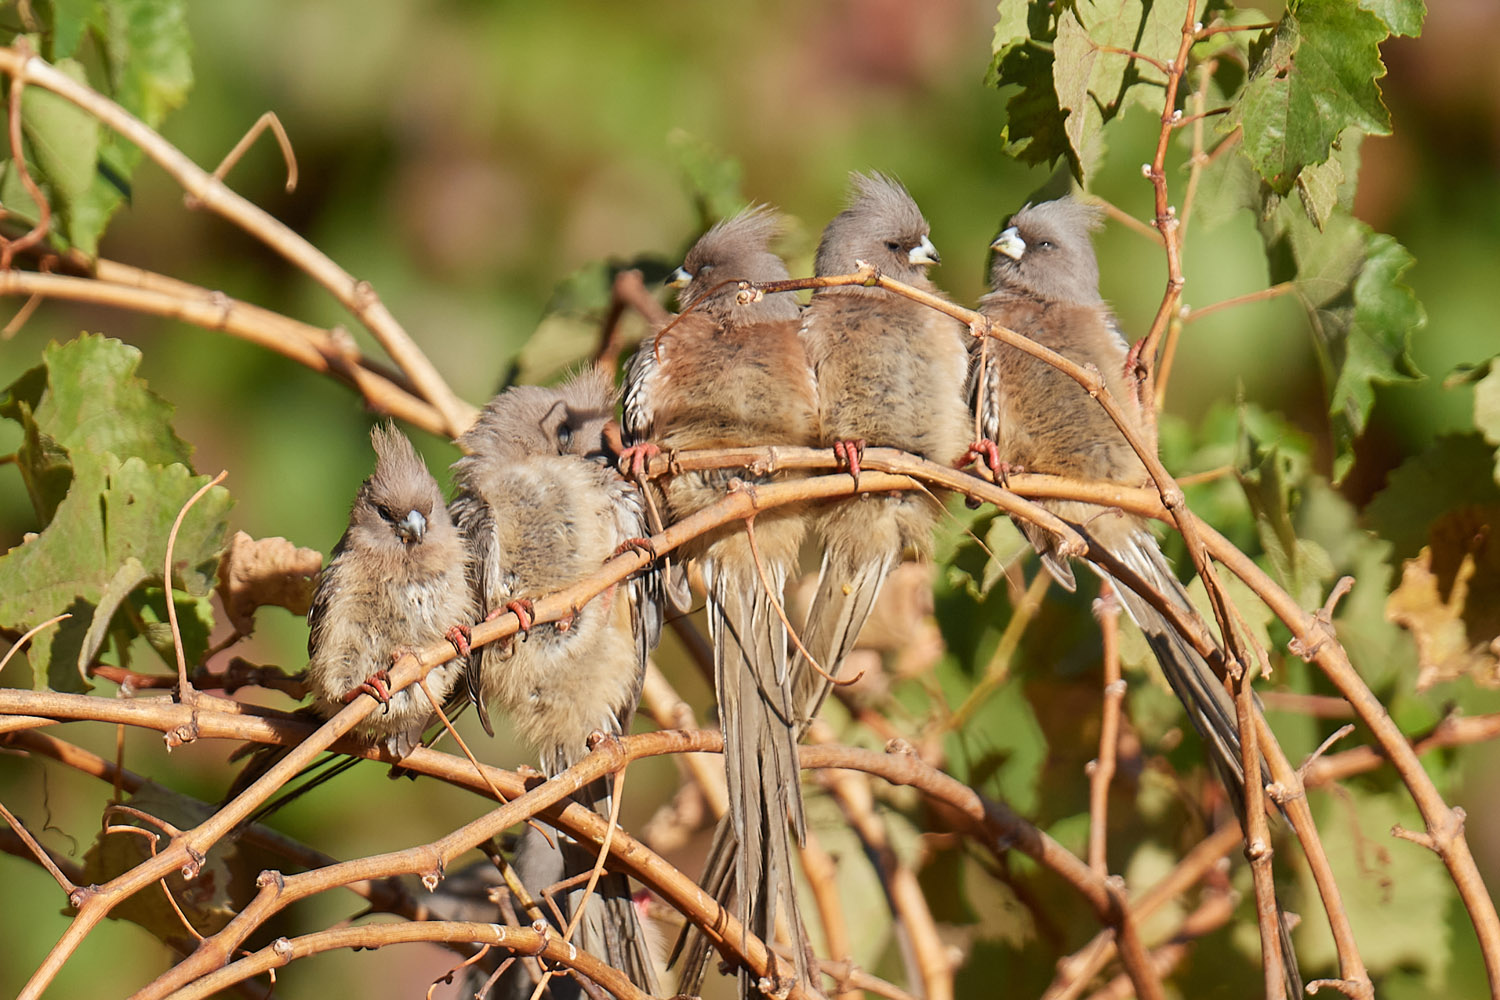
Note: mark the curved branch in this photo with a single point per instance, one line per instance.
(209, 192)
(307, 345)
(520, 940)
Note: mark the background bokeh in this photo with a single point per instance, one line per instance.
(467, 157)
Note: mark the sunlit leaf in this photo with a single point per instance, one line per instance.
(1315, 79)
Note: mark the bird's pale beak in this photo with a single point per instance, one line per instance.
(1009, 242)
(924, 253)
(412, 527)
(680, 278)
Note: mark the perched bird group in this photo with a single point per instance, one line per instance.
(541, 502)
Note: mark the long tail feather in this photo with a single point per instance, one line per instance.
(1210, 708)
(757, 714)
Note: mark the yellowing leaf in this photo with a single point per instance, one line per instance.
(1449, 598)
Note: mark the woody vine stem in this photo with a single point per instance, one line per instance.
(417, 393)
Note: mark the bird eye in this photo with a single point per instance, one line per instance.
(1044, 244)
(704, 267)
(564, 436)
(384, 512)
(892, 246)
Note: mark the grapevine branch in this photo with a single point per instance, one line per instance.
(207, 191)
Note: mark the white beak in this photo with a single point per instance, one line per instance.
(1009, 242)
(680, 278)
(924, 253)
(412, 527)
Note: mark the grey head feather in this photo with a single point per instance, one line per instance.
(526, 421)
(400, 500)
(882, 226)
(738, 249)
(1056, 253)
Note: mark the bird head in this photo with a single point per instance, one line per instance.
(882, 227)
(1047, 250)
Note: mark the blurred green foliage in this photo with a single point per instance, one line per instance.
(488, 167)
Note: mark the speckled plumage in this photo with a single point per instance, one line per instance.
(382, 594)
(721, 375)
(1044, 277)
(540, 509)
(890, 372)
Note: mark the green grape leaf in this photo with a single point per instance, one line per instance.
(1395, 896)
(64, 138)
(108, 477)
(1033, 131)
(108, 536)
(1076, 73)
(1095, 79)
(1271, 482)
(148, 51)
(1363, 316)
(1487, 408)
(1403, 17)
(1316, 78)
(70, 19)
(85, 398)
(1453, 473)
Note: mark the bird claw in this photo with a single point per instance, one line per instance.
(524, 611)
(636, 545)
(634, 458)
(459, 635)
(990, 453)
(377, 686)
(564, 623)
(982, 449)
(849, 454)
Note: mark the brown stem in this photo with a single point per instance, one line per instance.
(1258, 847)
(307, 345)
(520, 940)
(1107, 610)
(357, 296)
(913, 916)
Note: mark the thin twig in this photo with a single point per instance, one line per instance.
(185, 692)
(1102, 771)
(42, 857)
(357, 296)
(310, 346)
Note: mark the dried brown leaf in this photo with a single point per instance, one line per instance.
(1449, 599)
(261, 572)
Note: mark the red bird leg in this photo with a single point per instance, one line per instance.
(636, 545)
(459, 635)
(849, 454)
(377, 686)
(635, 457)
(524, 611)
(982, 449)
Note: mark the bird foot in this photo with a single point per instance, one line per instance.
(634, 458)
(459, 635)
(990, 453)
(524, 611)
(377, 686)
(849, 454)
(982, 449)
(636, 545)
